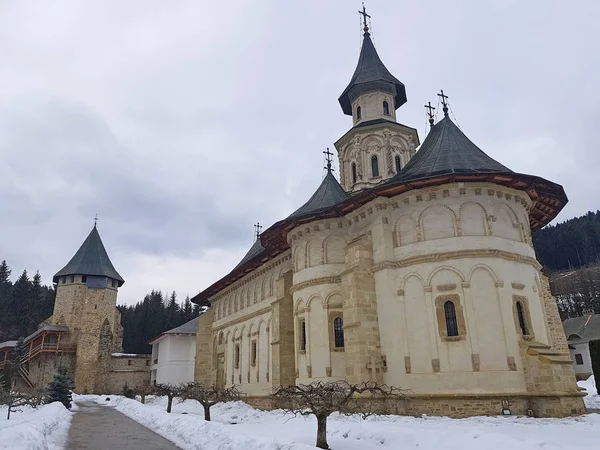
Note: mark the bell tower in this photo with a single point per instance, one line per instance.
(377, 146)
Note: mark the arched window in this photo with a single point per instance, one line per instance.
(358, 113)
(521, 316)
(303, 335)
(353, 172)
(386, 108)
(375, 166)
(338, 332)
(451, 323)
(398, 165)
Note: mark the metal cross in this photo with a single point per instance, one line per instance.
(328, 156)
(430, 110)
(95, 220)
(257, 228)
(444, 102)
(365, 15)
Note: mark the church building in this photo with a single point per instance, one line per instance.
(416, 270)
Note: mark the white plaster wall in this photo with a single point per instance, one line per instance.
(584, 350)
(175, 354)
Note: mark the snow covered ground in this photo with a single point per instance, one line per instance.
(592, 400)
(43, 428)
(239, 426)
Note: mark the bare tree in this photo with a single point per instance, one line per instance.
(323, 398)
(208, 396)
(171, 391)
(14, 399)
(145, 390)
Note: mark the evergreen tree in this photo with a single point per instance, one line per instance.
(19, 306)
(59, 389)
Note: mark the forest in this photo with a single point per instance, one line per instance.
(569, 252)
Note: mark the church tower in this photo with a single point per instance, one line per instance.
(86, 299)
(377, 146)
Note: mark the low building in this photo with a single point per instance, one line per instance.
(580, 331)
(173, 354)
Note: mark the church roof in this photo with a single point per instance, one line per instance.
(371, 74)
(91, 259)
(446, 151)
(327, 195)
(254, 251)
(190, 327)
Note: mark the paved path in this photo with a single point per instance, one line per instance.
(97, 427)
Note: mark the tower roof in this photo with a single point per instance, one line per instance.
(371, 74)
(446, 151)
(90, 259)
(328, 194)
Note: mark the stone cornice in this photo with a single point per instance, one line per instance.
(244, 318)
(315, 282)
(458, 254)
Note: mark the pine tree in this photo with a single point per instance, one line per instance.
(59, 389)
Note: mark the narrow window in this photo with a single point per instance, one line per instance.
(386, 108)
(398, 166)
(451, 324)
(64, 280)
(375, 166)
(353, 172)
(114, 283)
(237, 356)
(338, 332)
(303, 335)
(83, 278)
(128, 362)
(72, 278)
(521, 316)
(358, 115)
(254, 353)
(578, 359)
(147, 362)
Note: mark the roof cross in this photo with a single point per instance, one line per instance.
(444, 102)
(95, 220)
(430, 110)
(328, 156)
(365, 15)
(257, 228)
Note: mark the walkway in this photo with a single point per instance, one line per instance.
(97, 427)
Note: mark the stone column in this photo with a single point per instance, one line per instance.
(361, 325)
(204, 372)
(282, 332)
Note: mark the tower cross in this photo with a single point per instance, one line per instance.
(328, 156)
(365, 15)
(95, 220)
(444, 102)
(430, 110)
(257, 228)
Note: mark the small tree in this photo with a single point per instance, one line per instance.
(323, 398)
(15, 399)
(144, 390)
(208, 396)
(59, 389)
(170, 391)
(127, 391)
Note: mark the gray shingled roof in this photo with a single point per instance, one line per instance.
(190, 327)
(583, 329)
(8, 344)
(328, 194)
(255, 250)
(371, 74)
(90, 259)
(47, 328)
(445, 151)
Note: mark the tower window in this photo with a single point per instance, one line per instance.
(254, 353)
(64, 280)
(521, 316)
(72, 278)
(451, 323)
(386, 108)
(375, 166)
(114, 283)
(303, 335)
(83, 278)
(237, 356)
(338, 332)
(353, 172)
(358, 115)
(398, 165)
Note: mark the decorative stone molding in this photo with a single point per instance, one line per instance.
(499, 284)
(315, 282)
(441, 317)
(400, 292)
(428, 288)
(510, 361)
(435, 365)
(475, 362)
(407, 364)
(465, 284)
(518, 286)
(459, 254)
(245, 318)
(446, 287)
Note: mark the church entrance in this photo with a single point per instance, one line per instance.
(221, 370)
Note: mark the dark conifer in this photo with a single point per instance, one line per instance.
(59, 389)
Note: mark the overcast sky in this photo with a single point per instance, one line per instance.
(183, 123)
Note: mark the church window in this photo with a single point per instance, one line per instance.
(578, 359)
(128, 362)
(398, 165)
(358, 115)
(353, 172)
(64, 280)
(303, 336)
(521, 317)
(72, 278)
(254, 353)
(386, 108)
(237, 356)
(83, 278)
(338, 332)
(375, 165)
(451, 322)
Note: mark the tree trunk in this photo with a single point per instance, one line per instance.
(169, 404)
(143, 398)
(8, 415)
(206, 413)
(322, 432)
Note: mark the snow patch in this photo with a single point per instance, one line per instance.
(592, 399)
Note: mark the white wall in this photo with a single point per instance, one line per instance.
(584, 350)
(175, 354)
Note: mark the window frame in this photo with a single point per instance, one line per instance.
(302, 340)
(451, 318)
(578, 359)
(526, 316)
(354, 173)
(236, 356)
(386, 108)
(375, 166)
(253, 352)
(358, 113)
(440, 310)
(398, 163)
